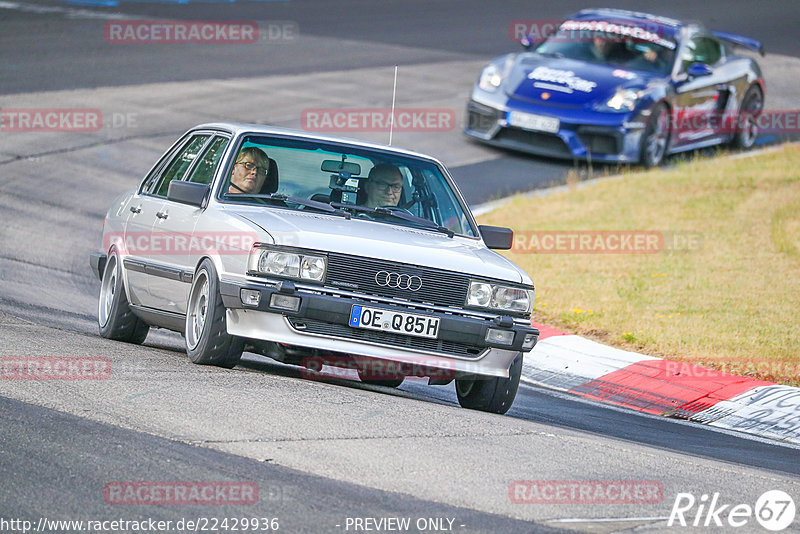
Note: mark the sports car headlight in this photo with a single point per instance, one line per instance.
(491, 78)
(623, 100)
(504, 298)
(288, 264)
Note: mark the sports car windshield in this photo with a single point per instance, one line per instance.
(642, 51)
(344, 180)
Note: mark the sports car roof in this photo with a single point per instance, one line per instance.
(661, 25)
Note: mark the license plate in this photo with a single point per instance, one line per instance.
(409, 324)
(529, 121)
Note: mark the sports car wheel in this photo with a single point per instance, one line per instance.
(747, 121)
(206, 332)
(655, 137)
(114, 317)
(389, 380)
(495, 395)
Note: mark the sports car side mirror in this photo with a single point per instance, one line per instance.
(497, 237)
(527, 42)
(697, 70)
(191, 193)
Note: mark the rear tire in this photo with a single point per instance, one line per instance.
(490, 394)
(655, 138)
(206, 331)
(114, 316)
(747, 120)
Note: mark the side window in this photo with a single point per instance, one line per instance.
(180, 163)
(204, 171)
(701, 50)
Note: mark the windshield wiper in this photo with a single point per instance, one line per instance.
(388, 211)
(280, 197)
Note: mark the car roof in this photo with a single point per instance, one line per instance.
(239, 128)
(661, 25)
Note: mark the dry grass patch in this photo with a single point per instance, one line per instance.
(728, 300)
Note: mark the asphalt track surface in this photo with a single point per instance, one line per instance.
(320, 451)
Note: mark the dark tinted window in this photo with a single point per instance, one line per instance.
(701, 50)
(180, 164)
(203, 173)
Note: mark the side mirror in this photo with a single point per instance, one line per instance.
(191, 193)
(527, 42)
(697, 70)
(497, 237)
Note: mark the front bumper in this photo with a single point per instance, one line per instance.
(322, 322)
(583, 135)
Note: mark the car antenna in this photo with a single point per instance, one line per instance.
(391, 119)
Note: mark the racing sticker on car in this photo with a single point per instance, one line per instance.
(564, 77)
(410, 324)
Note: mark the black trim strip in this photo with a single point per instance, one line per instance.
(161, 271)
(164, 319)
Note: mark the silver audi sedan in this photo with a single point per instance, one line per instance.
(316, 251)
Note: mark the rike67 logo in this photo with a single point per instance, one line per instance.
(774, 510)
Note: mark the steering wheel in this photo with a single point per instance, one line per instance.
(398, 208)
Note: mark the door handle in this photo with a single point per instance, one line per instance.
(162, 215)
(137, 209)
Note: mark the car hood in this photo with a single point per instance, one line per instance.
(362, 237)
(568, 82)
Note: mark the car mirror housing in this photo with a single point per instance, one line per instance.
(699, 69)
(191, 193)
(528, 42)
(497, 237)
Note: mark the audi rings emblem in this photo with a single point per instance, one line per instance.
(399, 281)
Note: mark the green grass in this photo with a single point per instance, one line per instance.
(731, 301)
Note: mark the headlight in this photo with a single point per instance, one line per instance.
(504, 298)
(623, 100)
(288, 264)
(491, 78)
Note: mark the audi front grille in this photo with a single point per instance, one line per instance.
(397, 280)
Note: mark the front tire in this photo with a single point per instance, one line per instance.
(206, 331)
(655, 138)
(747, 121)
(490, 394)
(114, 316)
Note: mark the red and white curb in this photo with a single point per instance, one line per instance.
(662, 387)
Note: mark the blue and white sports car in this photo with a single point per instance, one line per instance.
(619, 86)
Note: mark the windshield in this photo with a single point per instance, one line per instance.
(618, 46)
(363, 183)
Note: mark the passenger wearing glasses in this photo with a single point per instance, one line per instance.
(249, 171)
(383, 186)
